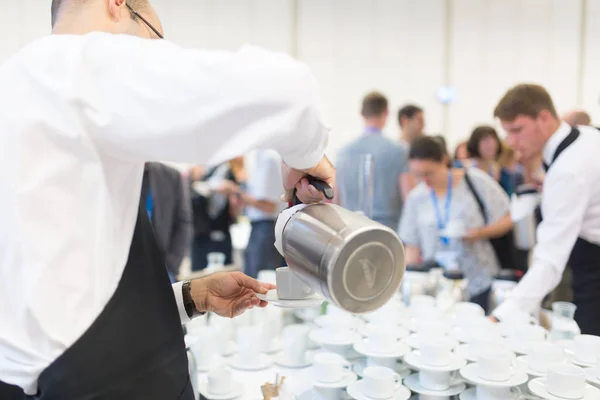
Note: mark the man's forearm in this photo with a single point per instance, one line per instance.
(497, 229)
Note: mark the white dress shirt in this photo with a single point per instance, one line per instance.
(79, 116)
(570, 209)
(264, 183)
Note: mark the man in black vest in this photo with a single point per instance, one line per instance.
(86, 307)
(570, 229)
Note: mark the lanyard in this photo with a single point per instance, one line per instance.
(149, 204)
(443, 222)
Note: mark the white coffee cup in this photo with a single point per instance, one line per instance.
(219, 380)
(290, 286)
(428, 326)
(436, 352)
(524, 336)
(204, 346)
(380, 382)
(248, 340)
(422, 300)
(586, 348)
(566, 381)
(495, 364)
(435, 380)
(381, 339)
(330, 367)
(479, 329)
(386, 362)
(543, 354)
(295, 343)
(338, 324)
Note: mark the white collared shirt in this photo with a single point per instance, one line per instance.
(79, 116)
(570, 209)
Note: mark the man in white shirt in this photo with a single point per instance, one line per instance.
(86, 306)
(570, 230)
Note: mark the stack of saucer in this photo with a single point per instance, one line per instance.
(586, 350)
(564, 382)
(425, 328)
(379, 383)
(295, 345)
(437, 366)
(521, 338)
(219, 385)
(330, 374)
(494, 374)
(593, 374)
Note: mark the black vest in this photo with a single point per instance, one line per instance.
(135, 348)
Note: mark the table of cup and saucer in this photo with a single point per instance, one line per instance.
(584, 352)
(437, 367)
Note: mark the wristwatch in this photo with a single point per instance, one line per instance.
(188, 301)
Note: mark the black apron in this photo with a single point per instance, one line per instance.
(135, 348)
(585, 263)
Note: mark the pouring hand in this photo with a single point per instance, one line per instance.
(228, 294)
(295, 179)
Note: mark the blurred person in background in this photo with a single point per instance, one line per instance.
(442, 221)
(577, 117)
(263, 204)
(166, 198)
(484, 148)
(391, 182)
(411, 120)
(460, 154)
(215, 205)
(570, 229)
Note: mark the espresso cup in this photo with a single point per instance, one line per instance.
(219, 380)
(586, 348)
(248, 339)
(566, 381)
(380, 382)
(434, 380)
(436, 352)
(295, 343)
(290, 286)
(381, 339)
(330, 367)
(495, 364)
(544, 354)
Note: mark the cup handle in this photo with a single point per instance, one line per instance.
(397, 382)
(454, 377)
(347, 366)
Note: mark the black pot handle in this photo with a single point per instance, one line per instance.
(320, 185)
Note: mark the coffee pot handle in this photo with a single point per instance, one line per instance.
(320, 185)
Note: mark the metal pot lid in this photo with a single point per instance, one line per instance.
(368, 270)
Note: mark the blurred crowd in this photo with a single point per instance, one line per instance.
(410, 190)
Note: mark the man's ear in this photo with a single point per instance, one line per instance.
(116, 8)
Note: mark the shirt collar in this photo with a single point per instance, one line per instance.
(555, 140)
(371, 130)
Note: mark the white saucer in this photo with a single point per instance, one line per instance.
(324, 337)
(523, 365)
(263, 362)
(414, 341)
(575, 361)
(347, 380)
(520, 348)
(467, 352)
(401, 369)
(471, 394)
(413, 359)
(400, 332)
(464, 336)
(237, 390)
(397, 351)
(276, 345)
(412, 325)
(538, 388)
(230, 348)
(272, 298)
(355, 391)
(210, 364)
(412, 382)
(592, 376)
(283, 362)
(470, 374)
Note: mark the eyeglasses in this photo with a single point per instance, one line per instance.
(145, 21)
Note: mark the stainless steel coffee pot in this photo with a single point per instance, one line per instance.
(351, 260)
(526, 225)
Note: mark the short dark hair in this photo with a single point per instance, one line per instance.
(55, 8)
(524, 99)
(373, 105)
(427, 148)
(478, 134)
(408, 111)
